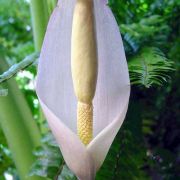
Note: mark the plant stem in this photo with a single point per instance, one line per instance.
(59, 171)
(27, 61)
(40, 16)
(51, 5)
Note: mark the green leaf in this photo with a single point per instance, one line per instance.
(49, 139)
(66, 174)
(149, 67)
(49, 159)
(149, 30)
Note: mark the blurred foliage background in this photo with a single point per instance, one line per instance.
(147, 146)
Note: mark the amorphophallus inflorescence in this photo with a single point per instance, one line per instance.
(83, 82)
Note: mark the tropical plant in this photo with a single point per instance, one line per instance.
(149, 67)
(147, 146)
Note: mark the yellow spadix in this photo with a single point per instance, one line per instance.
(84, 66)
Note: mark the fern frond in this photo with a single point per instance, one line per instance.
(146, 30)
(49, 161)
(149, 67)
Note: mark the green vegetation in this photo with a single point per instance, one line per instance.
(147, 145)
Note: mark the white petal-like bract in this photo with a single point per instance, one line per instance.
(55, 88)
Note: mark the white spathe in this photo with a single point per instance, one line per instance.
(55, 88)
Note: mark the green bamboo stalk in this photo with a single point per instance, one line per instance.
(16, 120)
(20, 129)
(40, 12)
(51, 5)
(40, 16)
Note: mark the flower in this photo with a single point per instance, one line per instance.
(57, 95)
